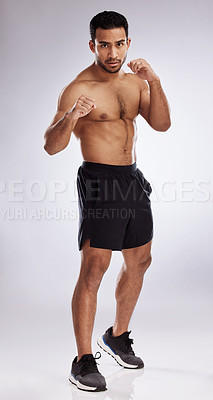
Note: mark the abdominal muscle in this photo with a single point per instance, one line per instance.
(108, 142)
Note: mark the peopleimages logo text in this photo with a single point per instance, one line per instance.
(56, 190)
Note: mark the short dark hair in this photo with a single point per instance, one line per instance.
(107, 20)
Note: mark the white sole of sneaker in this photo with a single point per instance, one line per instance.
(117, 358)
(80, 385)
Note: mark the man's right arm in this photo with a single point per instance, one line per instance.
(71, 107)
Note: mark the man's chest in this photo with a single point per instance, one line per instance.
(114, 101)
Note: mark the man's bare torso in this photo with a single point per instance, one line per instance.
(108, 133)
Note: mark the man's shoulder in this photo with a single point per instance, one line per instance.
(74, 88)
(80, 82)
(134, 78)
(76, 83)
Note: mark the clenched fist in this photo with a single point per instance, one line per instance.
(141, 68)
(82, 107)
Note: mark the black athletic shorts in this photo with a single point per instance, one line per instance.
(114, 206)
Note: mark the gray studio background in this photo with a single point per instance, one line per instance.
(44, 45)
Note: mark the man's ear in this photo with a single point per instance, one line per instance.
(92, 46)
(128, 42)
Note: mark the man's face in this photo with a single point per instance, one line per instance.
(110, 48)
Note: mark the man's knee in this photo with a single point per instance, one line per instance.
(144, 262)
(92, 271)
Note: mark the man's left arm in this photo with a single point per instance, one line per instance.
(153, 103)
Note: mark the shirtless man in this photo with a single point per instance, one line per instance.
(100, 107)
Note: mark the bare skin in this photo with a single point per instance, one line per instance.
(94, 263)
(100, 107)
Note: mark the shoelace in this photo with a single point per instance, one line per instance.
(89, 366)
(129, 348)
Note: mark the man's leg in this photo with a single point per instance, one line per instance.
(94, 263)
(129, 284)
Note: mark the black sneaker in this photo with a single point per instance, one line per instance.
(85, 375)
(120, 348)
